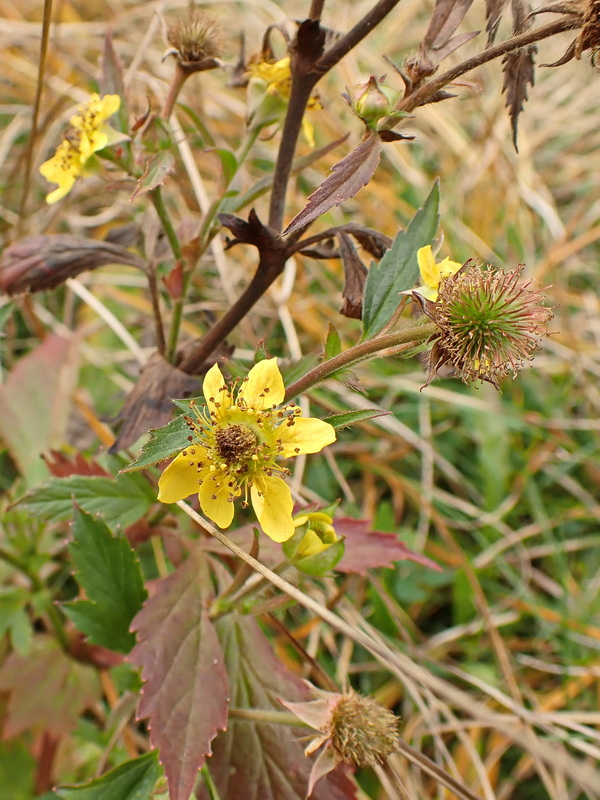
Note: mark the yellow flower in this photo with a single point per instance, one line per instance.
(433, 274)
(319, 533)
(87, 135)
(276, 80)
(234, 445)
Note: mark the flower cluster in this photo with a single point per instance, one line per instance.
(87, 135)
(235, 442)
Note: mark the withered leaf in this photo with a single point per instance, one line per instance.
(493, 15)
(447, 16)
(355, 274)
(149, 405)
(43, 262)
(185, 692)
(374, 242)
(347, 178)
(519, 71)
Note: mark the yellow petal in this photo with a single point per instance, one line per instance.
(427, 267)
(273, 504)
(310, 545)
(306, 435)
(216, 393)
(448, 268)
(213, 501)
(264, 387)
(182, 477)
(308, 129)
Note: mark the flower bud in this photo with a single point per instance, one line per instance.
(315, 548)
(372, 102)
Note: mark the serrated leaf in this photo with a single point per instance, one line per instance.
(121, 500)
(355, 277)
(253, 759)
(48, 689)
(157, 169)
(398, 269)
(349, 418)
(366, 549)
(333, 343)
(164, 443)
(110, 574)
(348, 177)
(185, 693)
(519, 72)
(133, 780)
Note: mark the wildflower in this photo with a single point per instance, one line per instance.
(354, 729)
(433, 274)
(489, 323)
(234, 445)
(272, 81)
(87, 135)
(315, 548)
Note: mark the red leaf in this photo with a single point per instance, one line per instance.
(366, 549)
(33, 421)
(61, 466)
(185, 694)
(348, 177)
(253, 760)
(48, 690)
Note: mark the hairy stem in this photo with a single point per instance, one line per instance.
(400, 340)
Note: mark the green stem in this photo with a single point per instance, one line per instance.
(39, 586)
(177, 315)
(400, 340)
(209, 784)
(267, 716)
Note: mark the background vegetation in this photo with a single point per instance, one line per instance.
(493, 662)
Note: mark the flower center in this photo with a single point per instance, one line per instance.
(235, 443)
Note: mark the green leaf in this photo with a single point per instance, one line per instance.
(155, 174)
(229, 164)
(14, 618)
(333, 343)
(121, 500)
(398, 269)
(349, 418)
(133, 780)
(110, 574)
(165, 443)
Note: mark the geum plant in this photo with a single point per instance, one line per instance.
(213, 686)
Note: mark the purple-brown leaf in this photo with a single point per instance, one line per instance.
(44, 262)
(518, 68)
(185, 692)
(347, 178)
(355, 274)
(493, 15)
(367, 549)
(254, 760)
(47, 689)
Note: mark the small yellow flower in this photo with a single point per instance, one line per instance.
(87, 135)
(319, 533)
(433, 274)
(276, 78)
(234, 445)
